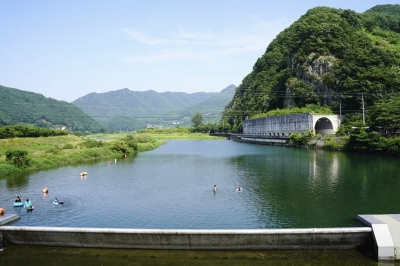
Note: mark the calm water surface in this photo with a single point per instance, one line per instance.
(172, 187)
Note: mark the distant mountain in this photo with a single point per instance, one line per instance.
(211, 109)
(131, 110)
(23, 107)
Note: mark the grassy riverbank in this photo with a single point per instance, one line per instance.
(160, 134)
(47, 152)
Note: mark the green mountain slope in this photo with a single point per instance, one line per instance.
(211, 109)
(130, 110)
(329, 57)
(25, 107)
(385, 17)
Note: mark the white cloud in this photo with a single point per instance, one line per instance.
(142, 38)
(206, 44)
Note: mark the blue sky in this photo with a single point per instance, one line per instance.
(67, 49)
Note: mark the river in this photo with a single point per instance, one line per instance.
(172, 187)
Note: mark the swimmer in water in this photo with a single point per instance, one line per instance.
(28, 205)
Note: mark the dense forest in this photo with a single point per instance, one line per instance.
(23, 107)
(329, 57)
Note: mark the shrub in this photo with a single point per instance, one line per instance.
(300, 140)
(17, 158)
(54, 150)
(68, 146)
(91, 143)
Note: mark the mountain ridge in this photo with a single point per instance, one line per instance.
(24, 107)
(131, 110)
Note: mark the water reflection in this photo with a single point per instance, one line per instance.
(307, 188)
(17, 180)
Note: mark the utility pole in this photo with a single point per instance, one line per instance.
(363, 109)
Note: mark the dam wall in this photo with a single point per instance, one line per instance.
(285, 125)
(187, 239)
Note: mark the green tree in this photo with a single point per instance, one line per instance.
(386, 114)
(197, 119)
(18, 158)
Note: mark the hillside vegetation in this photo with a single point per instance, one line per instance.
(128, 110)
(329, 57)
(23, 107)
(211, 109)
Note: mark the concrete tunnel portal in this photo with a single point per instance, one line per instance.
(323, 126)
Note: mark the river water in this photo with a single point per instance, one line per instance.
(172, 187)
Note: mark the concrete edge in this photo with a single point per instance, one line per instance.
(395, 216)
(369, 219)
(383, 241)
(334, 230)
(7, 218)
(189, 239)
(383, 245)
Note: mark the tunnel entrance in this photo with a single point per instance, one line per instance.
(324, 126)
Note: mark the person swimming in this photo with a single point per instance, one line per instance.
(57, 202)
(215, 188)
(17, 200)
(239, 189)
(28, 205)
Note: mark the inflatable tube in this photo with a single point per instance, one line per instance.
(58, 202)
(18, 204)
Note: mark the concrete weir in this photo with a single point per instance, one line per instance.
(8, 218)
(188, 239)
(386, 234)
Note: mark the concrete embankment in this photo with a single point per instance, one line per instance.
(244, 239)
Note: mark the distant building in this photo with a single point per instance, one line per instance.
(285, 125)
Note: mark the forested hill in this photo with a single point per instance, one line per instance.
(329, 57)
(23, 107)
(211, 109)
(129, 110)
